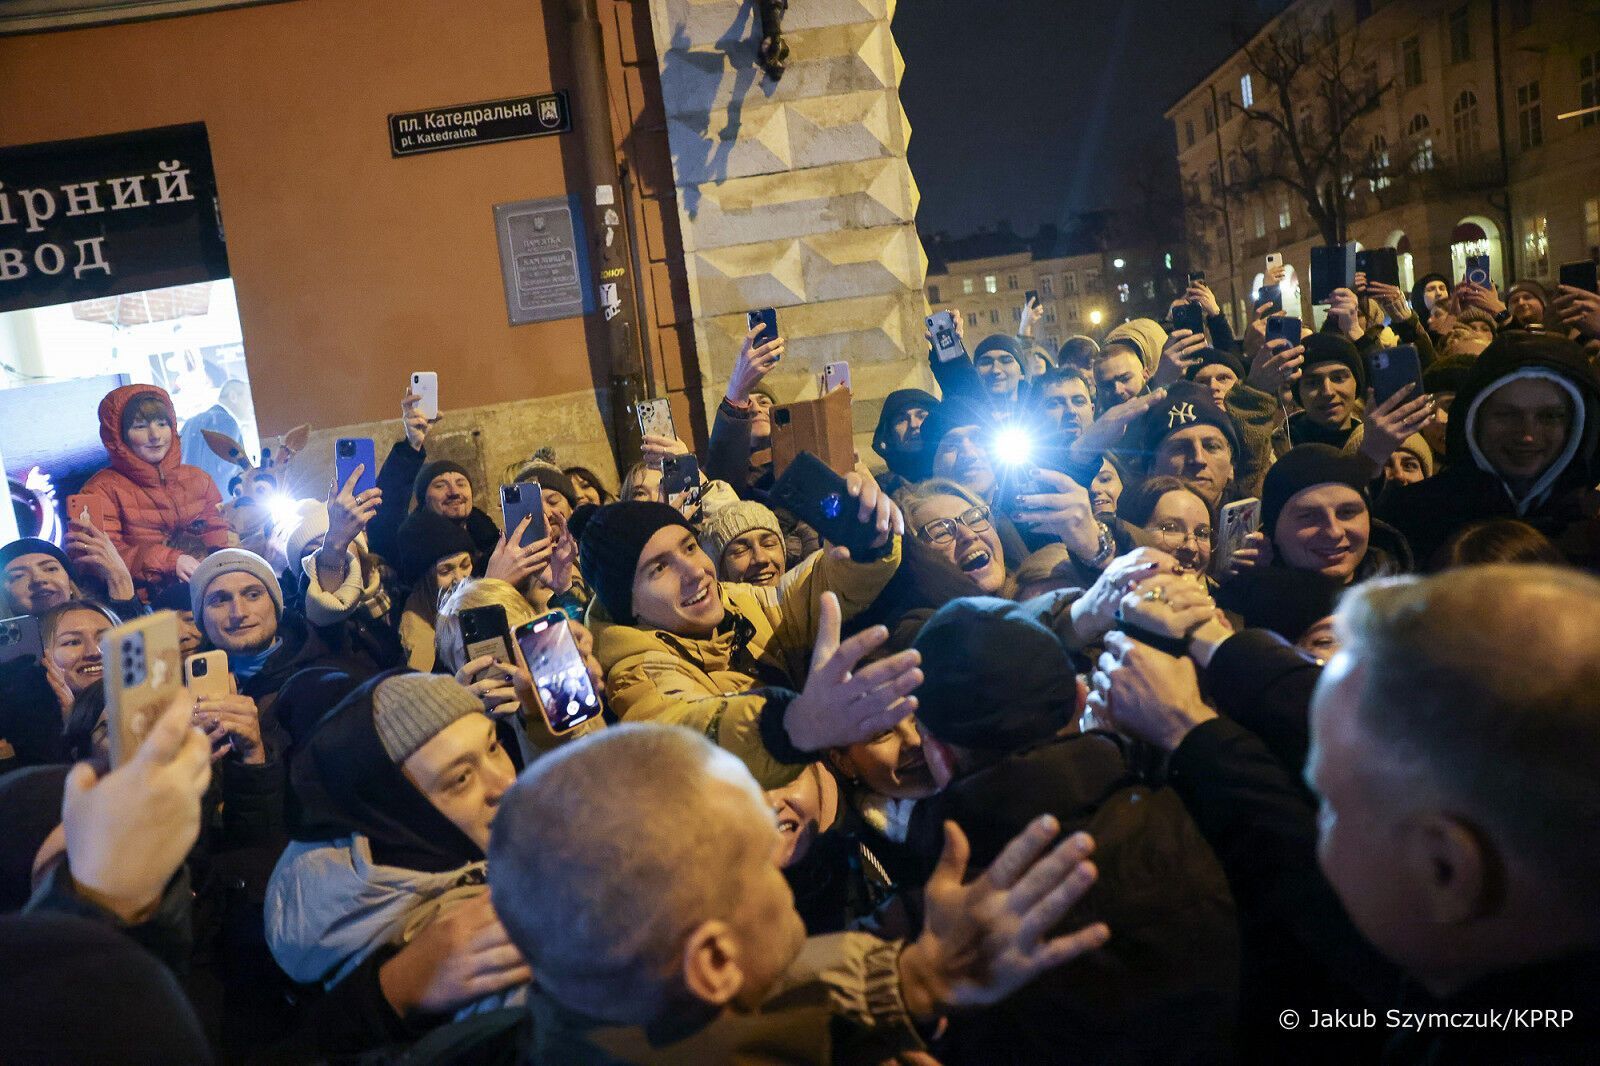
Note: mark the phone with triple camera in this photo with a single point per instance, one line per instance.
(767, 320)
(143, 674)
(523, 500)
(561, 682)
(834, 376)
(206, 674)
(1391, 369)
(946, 342)
(822, 498)
(1583, 275)
(679, 474)
(425, 383)
(20, 638)
(1238, 520)
(351, 452)
(1283, 328)
(485, 631)
(1188, 316)
(655, 419)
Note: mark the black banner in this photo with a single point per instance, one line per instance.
(464, 125)
(102, 216)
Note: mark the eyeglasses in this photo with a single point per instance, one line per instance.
(1172, 533)
(943, 530)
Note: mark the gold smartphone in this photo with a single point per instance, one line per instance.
(143, 673)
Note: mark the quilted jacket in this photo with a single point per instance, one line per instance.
(157, 512)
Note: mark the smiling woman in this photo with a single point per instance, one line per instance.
(71, 633)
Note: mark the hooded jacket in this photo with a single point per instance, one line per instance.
(713, 684)
(908, 464)
(156, 512)
(1146, 336)
(1469, 490)
(372, 862)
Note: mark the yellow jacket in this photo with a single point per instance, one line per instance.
(765, 639)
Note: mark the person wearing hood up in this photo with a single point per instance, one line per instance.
(384, 877)
(898, 438)
(1522, 439)
(161, 514)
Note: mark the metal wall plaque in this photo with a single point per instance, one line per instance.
(488, 122)
(544, 259)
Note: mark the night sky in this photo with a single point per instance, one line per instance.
(1032, 110)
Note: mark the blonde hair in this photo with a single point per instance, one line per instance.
(913, 497)
(475, 592)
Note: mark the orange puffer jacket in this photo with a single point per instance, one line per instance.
(154, 507)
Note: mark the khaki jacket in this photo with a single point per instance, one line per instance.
(765, 639)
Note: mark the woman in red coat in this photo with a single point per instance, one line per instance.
(162, 514)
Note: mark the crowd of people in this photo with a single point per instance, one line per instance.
(1179, 702)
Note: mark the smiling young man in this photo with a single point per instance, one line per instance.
(1522, 441)
(679, 646)
(745, 541)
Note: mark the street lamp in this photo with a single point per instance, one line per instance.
(1096, 317)
(1118, 263)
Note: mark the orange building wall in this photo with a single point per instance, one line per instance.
(352, 267)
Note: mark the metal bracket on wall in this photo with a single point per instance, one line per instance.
(774, 50)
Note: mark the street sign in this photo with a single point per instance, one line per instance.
(489, 122)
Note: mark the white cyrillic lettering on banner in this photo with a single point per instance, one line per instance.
(98, 243)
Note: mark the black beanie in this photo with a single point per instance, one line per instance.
(1186, 404)
(1332, 348)
(423, 539)
(1449, 374)
(1300, 468)
(995, 677)
(608, 551)
(1213, 357)
(419, 488)
(32, 546)
(1000, 342)
(1286, 601)
(953, 412)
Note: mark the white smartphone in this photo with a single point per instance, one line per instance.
(425, 383)
(655, 419)
(206, 674)
(835, 375)
(1238, 520)
(143, 673)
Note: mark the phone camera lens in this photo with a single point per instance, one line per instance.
(200, 667)
(832, 505)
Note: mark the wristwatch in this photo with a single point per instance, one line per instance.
(1108, 548)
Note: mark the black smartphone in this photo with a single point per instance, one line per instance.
(485, 631)
(1270, 297)
(1284, 328)
(1030, 298)
(679, 473)
(820, 496)
(1391, 369)
(1581, 275)
(1197, 275)
(1379, 264)
(20, 638)
(767, 319)
(1333, 266)
(560, 680)
(525, 500)
(1188, 316)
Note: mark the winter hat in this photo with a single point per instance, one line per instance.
(955, 412)
(1300, 468)
(543, 469)
(974, 648)
(998, 342)
(1078, 351)
(735, 520)
(1332, 348)
(423, 539)
(1286, 601)
(610, 545)
(32, 546)
(1145, 336)
(1213, 357)
(313, 524)
(176, 597)
(1532, 288)
(1186, 404)
(233, 561)
(1448, 374)
(1419, 448)
(425, 476)
(408, 710)
(1419, 303)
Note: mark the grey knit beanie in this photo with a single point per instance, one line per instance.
(408, 710)
(232, 561)
(735, 520)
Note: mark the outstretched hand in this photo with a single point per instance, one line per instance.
(1106, 430)
(841, 705)
(984, 940)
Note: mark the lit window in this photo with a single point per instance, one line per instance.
(1536, 247)
(990, 284)
(1247, 94)
(1285, 217)
(1378, 159)
(1122, 292)
(966, 286)
(1168, 260)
